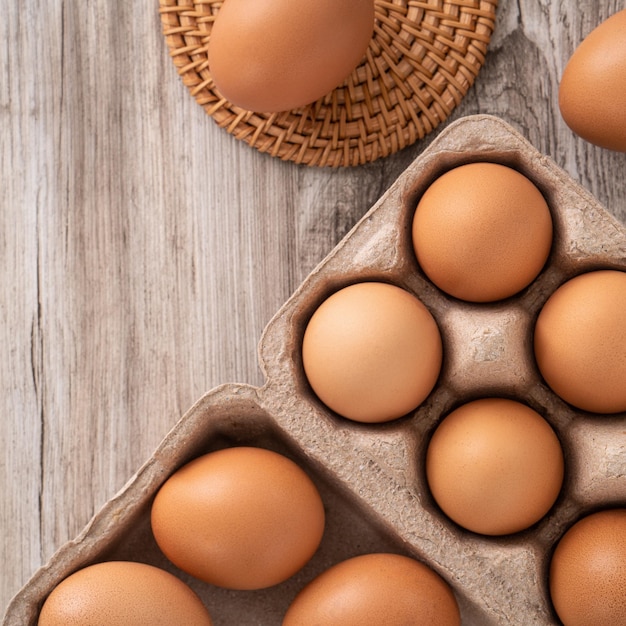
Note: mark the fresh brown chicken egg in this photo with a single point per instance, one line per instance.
(240, 518)
(588, 571)
(123, 593)
(482, 232)
(277, 55)
(592, 92)
(379, 588)
(372, 352)
(494, 466)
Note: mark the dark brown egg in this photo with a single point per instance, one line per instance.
(372, 352)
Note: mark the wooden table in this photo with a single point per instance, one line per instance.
(143, 249)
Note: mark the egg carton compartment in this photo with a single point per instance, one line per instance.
(487, 351)
(372, 476)
(230, 415)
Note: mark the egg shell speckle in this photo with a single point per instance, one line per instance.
(580, 341)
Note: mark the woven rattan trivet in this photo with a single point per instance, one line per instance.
(421, 61)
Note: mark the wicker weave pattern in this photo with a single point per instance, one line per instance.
(421, 61)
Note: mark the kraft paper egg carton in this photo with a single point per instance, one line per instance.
(371, 476)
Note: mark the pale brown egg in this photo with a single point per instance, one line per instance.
(580, 341)
(381, 589)
(123, 593)
(276, 55)
(588, 571)
(240, 518)
(494, 466)
(592, 93)
(372, 352)
(482, 232)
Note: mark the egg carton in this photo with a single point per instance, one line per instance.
(372, 476)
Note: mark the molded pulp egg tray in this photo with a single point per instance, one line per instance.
(371, 476)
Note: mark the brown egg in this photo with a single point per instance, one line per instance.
(384, 589)
(494, 466)
(275, 55)
(241, 518)
(580, 341)
(482, 232)
(592, 93)
(588, 571)
(122, 593)
(372, 352)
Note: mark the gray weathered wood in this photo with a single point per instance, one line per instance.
(143, 250)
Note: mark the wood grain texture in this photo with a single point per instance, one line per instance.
(143, 249)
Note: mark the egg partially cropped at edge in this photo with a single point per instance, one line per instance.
(592, 93)
(123, 593)
(277, 55)
(377, 588)
(588, 571)
(580, 341)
